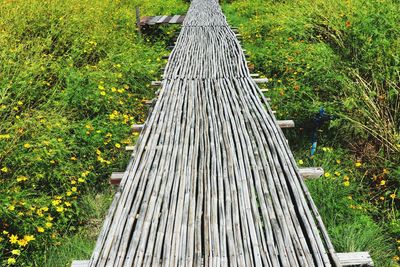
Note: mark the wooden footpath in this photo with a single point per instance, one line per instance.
(212, 180)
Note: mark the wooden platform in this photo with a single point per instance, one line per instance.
(153, 20)
(211, 180)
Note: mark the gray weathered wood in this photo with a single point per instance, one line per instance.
(80, 263)
(311, 172)
(355, 259)
(285, 123)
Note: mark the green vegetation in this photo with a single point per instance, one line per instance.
(341, 56)
(73, 77)
(74, 74)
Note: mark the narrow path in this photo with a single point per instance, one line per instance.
(212, 180)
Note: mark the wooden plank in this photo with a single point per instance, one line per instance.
(161, 20)
(129, 148)
(355, 259)
(260, 80)
(254, 75)
(153, 20)
(116, 177)
(180, 19)
(80, 263)
(150, 102)
(285, 123)
(156, 83)
(137, 128)
(174, 19)
(311, 172)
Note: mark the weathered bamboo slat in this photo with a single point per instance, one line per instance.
(80, 263)
(285, 123)
(116, 177)
(355, 259)
(129, 148)
(260, 80)
(137, 128)
(311, 172)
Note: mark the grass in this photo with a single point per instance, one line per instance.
(336, 56)
(75, 74)
(80, 245)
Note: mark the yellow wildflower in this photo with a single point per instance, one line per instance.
(81, 180)
(49, 224)
(56, 202)
(301, 162)
(73, 158)
(4, 169)
(68, 204)
(338, 161)
(382, 198)
(74, 189)
(337, 173)
(69, 193)
(29, 238)
(5, 232)
(49, 218)
(60, 209)
(5, 136)
(346, 183)
(16, 252)
(40, 229)
(101, 87)
(11, 207)
(13, 239)
(11, 261)
(20, 103)
(45, 208)
(21, 178)
(327, 174)
(117, 145)
(73, 182)
(383, 182)
(393, 196)
(27, 145)
(103, 93)
(358, 164)
(346, 178)
(385, 171)
(22, 242)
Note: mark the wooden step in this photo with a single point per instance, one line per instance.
(260, 80)
(285, 123)
(156, 83)
(116, 177)
(355, 259)
(80, 263)
(150, 102)
(137, 128)
(311, 172)
(129, 148)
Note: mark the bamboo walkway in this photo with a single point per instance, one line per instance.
(212, 181)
